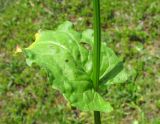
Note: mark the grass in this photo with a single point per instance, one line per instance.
(131, 28)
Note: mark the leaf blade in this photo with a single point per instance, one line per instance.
(69, 65)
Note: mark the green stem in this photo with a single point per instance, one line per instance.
(96, 53)
(97, 117)
(97, 44)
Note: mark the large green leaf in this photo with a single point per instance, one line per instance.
(67, 57)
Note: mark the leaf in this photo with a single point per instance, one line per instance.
(67, 57)
(112, 70)
(117, 75)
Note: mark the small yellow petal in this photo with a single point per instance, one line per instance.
(18, 49)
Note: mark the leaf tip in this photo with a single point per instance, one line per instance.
(37, 35)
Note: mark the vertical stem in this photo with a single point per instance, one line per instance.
(96, 53)
(97, 44)
(97, 117)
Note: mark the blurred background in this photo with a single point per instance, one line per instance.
(130, 27)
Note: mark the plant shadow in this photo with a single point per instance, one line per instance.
(111, 74)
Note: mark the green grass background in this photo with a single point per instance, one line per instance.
(130, 27)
